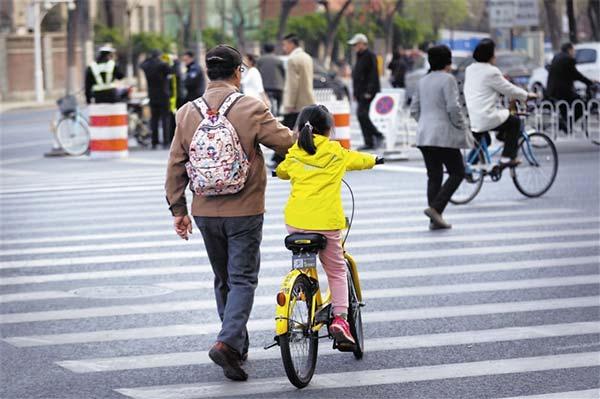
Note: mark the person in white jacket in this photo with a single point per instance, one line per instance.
(484, 83)
(252, 84)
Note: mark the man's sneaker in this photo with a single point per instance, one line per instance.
(340, 329)
(229, 360)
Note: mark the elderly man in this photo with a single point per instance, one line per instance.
(365, 85)
(231, 224)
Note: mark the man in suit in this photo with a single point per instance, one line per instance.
(273, 75)
(365, 85)
(298, 88)
(561, 78)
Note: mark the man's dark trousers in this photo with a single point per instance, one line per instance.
(160, 112)
(233, 248)
(369, 131)
(289, 121)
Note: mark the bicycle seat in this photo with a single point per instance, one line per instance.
(305, 242)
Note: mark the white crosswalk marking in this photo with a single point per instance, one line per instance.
(268, 324)
(512, 273)
(370, 377)
(373, 345)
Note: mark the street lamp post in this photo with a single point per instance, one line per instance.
(38, 16)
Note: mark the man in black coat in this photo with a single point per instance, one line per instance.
(193, 80)
(365, 83)
(157, 73)
(561, 78)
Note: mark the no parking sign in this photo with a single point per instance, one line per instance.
(384, 111)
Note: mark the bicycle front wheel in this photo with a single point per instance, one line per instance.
(355, 317)
(473, 181)
(73, 135)
(299, 345)
(539, 165)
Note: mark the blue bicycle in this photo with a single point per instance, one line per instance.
(532, 177)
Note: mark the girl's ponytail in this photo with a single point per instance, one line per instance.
(305, 139)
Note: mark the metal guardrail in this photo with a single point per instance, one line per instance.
(546, 117)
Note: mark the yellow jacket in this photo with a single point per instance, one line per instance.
(315, 201)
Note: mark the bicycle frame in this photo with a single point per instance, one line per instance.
(484, 148)
(318, 303)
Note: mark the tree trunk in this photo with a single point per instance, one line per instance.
(286, 8)
(572, 22)
(594, 17)
(389, 26)
(553, 23)
(71, 45)
(83, 28)
(108, 6)
(332, 30)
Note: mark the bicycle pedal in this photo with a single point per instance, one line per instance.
(344, 347)
(362, 304)
(275, 343)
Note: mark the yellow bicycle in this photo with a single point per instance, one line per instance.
(302, 311)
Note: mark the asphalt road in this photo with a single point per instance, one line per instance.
(100, 299)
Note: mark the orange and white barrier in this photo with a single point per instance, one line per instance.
(341, 118)
(340, 109)
(108, 130)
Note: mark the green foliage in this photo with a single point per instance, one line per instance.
(437, 14)
(408, 32)
(267, 32)
(103, 34)
(145, 41)
(212, 37)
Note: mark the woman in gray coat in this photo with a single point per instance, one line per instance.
(442, 132)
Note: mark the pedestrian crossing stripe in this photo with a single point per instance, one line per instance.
(391, 256)
(179, 330)
(267, 300)
(181, 245)
(363, 378)
(375, 274)
(138, 362)
(356, 231)
(276, 222)
(584, 394)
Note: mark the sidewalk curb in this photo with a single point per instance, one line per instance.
(6, 107)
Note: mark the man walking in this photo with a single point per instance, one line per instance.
(272, 72)
(193, 80)
(561, 79)
(231, 225)
(298, 89)
(365, 85)
(157, 73)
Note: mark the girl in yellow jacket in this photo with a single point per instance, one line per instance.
(315, 166)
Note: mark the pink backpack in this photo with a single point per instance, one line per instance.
(217, 162)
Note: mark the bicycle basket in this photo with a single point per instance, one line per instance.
(67, 104)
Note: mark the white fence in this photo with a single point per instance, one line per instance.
(547, 115)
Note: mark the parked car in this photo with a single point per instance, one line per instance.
(588, 63)
(516, 66)
(324, 79)
(421, 66)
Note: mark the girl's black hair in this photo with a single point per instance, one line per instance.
(313, 119)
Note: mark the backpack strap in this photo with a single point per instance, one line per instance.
(201, 106)
(228, 102)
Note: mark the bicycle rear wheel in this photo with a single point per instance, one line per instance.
(474, 175)
(539, 165)
(299, 345)
(355, 317)
(73, 135)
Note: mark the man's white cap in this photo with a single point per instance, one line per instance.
(107, 48)
(358, 38)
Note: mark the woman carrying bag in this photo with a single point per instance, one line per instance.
(442, 131)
